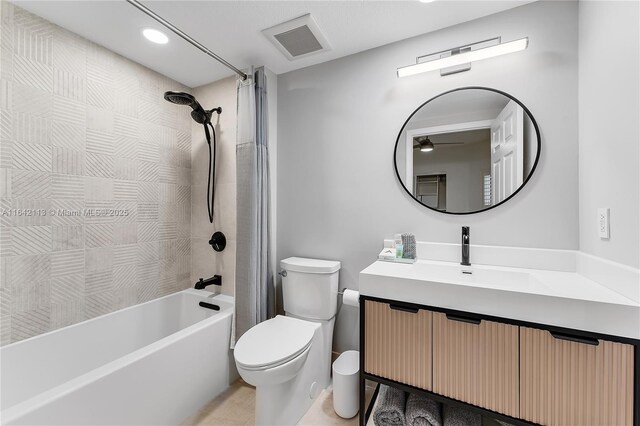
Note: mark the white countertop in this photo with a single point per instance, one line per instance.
(565, 299)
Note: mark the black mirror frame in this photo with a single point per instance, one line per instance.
(524, 183)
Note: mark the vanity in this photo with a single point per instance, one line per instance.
(522, 345)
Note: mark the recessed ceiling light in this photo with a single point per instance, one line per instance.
(155, 36)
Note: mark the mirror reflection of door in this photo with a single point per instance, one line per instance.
(507, 152)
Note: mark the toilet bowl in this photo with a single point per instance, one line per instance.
(288, 358)
(281, 358)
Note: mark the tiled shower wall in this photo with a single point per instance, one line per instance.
(82, 130)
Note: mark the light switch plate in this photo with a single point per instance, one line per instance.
(603, 222)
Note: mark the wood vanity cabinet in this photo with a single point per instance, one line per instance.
(525, 372)
(398, 343)
(476, 361)
(565, 382)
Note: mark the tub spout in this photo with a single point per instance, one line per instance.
(214, 280)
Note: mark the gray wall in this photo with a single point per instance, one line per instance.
(608, 128)
(338, 196)
(84, 128)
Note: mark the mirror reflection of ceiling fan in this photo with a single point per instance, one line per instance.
(424, 144)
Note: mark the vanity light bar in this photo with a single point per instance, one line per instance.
(466, 57)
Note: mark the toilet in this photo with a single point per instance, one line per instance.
(288, 358)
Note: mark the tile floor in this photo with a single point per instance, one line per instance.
(234, 407)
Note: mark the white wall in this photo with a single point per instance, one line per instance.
(205, 262)
(338, 196)
(609, 103)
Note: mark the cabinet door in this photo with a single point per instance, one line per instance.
(476, 362)
(571, 383)
(398, 343)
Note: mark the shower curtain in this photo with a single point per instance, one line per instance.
(255, 295)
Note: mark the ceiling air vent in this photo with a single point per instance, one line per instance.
(298, 38)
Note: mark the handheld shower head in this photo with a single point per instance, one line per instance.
(181, 98)
(199, 114)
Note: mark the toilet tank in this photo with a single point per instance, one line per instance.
(310, 287)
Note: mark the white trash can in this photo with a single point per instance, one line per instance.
(345, 384)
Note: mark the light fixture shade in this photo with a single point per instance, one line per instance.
(463, 58)
(426, 145)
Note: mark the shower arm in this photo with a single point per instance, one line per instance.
(184, 36)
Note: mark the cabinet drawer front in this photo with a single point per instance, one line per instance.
(573, 383)
(476, 362)
(398, 344)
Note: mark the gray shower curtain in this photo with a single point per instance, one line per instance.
(255, 295)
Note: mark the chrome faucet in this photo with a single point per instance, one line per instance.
(465, 246)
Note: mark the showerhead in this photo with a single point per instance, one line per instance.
(181, 98)
(199, 114)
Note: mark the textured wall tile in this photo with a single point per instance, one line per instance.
(148, 252)
(98, 189)
(35, 212)
(100, 95)
(148, 192)
(148, 151)
(99, 165)
(29, 323)
(125, 146)
(31, 239)
(65, 237)
(67, 161)
(32, 73)
(125, 190)
(67, 212)
(100, 235)
(69, 111)
(100, 142)
(125, 276)
(98, 259)
(29, 295)
(125, 125)
(31, 128)
(147, 231)
(70, 262)
(30, 100)
(98, 304)
(147, 212)
(67, 288)
(67, 187)
(148, 171)
(85, 135)
(168, 174)
(5, 183)
(25, 268)
(125, 233)
(98, 282)
(125, 255)
(67, 135)
(100, 120)
(69, 85)
(125, 168)
(28, 156)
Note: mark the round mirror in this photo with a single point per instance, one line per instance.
(467, 150)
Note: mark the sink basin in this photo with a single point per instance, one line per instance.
(484, 276)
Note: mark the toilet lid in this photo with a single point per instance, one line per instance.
(273, 342)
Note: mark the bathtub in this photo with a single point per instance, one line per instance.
(151, 364)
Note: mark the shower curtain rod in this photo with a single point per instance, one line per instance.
(184, 36)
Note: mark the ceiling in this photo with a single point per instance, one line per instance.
(232, 29)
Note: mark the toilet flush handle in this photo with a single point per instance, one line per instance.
(282, 273)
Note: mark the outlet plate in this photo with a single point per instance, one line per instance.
(603, 222)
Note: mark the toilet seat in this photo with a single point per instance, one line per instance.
(273, 342)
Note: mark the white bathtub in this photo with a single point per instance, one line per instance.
(149, 364)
